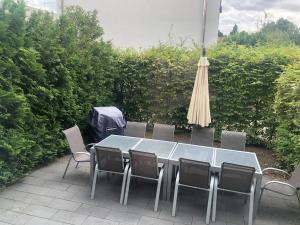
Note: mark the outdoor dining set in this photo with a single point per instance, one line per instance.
(198, 165)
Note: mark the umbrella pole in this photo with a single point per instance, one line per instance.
(204, 27)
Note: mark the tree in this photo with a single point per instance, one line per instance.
(235, 29)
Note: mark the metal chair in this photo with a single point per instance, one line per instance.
(194, 174)
(78, 150)
(237, 179)
(144, 165)
(289, 188)
(135, 129)
(233, 140)
(163, 132)
(110, 160)
(202, 136)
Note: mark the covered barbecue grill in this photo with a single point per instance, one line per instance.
(104, 121)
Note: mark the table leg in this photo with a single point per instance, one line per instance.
(170, 174)
(165, 180)
(257, 194)
(92, 165)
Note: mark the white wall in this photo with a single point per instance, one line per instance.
(144, 23)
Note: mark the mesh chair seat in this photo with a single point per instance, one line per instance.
(202, 136)
(82, 157)
(163, 132)
(135, 129)
(233, 140)
(110, 160)
(77, 147)
(144, 165)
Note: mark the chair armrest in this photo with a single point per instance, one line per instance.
(90, 145)
(161, 165)
(280, 183)
(276, 170)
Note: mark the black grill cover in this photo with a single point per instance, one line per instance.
(104, 121)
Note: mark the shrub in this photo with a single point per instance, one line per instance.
(287, 106)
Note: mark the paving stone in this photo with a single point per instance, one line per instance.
(42, 221)
(123, 217)
(8, 216)
(92, 210)
(23, 219)
(38, 199)
(179, 218)
(12, 205)
(153, 221)
(69, 217)
(64, 205)
(40, 211)
(97, 221)
(3, 223)
(13, 194)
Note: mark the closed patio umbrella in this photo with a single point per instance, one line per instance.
(199, 112)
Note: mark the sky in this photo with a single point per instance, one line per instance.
(250, 14)
(247, 14)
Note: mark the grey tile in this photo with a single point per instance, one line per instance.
(23, 219)
(92, 210)
(40, 211)
(123, 217)
(69, 217)
(179, 218)
(3, 223)
(13, 194)
(97, 221)
(64, 205)
(56, 185)
(42, 221)
(8, 216)
(153, 221)
(38, 199)
(12, 205)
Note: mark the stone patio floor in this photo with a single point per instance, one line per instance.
(44, 198)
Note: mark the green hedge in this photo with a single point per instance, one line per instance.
(287, 106)
(51, 73)
(156, 85)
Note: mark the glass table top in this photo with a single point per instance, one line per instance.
(124, 143)
(160, 148)
(193, 152)
(236, 157)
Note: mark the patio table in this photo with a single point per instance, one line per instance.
(216, 156)
(162, 149)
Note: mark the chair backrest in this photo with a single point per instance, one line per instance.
(295, 177)
(233, 140)
(135, 129)
(194, 173)
(74, 139)
(163, 132)
(236, 177)
(202, 136)
(109, 159)
(143, 164)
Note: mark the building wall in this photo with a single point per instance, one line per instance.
(145, 23)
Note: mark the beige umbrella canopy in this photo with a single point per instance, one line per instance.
(199, 112)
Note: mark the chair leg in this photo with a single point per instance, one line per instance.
(76, 165)
(158, 189)
(124, 183)
(208, 210)
(94, 182)
(127, 186)
(215, 200)
(250, 219)
(298, 197)
(67, 166)
(260, 196)
(175, 195)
